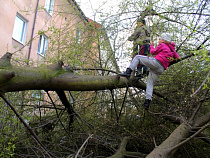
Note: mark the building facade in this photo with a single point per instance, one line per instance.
(40, 30)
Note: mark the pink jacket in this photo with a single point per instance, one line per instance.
(165, 53)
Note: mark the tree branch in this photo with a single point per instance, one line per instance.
(198, 107)
(123, 103)
(181, 59)
(121, 150)
(201, 85)
(67, 104)
(83, 145)
(191, 137)
(57, 113)
(202, 120)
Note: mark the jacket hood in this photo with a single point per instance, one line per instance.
(172, 46)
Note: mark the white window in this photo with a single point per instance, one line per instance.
(43, 43)
(20, 29)
(37, 94)
(78, 35)
(49, 5)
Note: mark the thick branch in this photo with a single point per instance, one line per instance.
(163, 150)
(181, 59)
(122, 149)
(67, 105)
(202, 120)
(199, 106)
(191, 137)
(6, 76)
(55, 78)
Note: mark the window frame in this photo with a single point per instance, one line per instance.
(78, 35)
(16, 28)
(49, 6)
(42, 45)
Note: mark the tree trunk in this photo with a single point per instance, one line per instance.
(164, 149)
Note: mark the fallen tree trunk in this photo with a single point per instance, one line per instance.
(55, 78)
(164, 150)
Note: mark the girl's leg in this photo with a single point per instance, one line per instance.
(151, 79)
(150, 62)
(139, 59)
(144, 60)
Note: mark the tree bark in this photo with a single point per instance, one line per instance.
(163, 150)
(122, 149)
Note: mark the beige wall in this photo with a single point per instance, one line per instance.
(26, 8)
(8, 11)
(66, 17)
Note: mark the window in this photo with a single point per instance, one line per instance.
(78, 35)
(43, 43)
(37, 97)
(49, 5)
(37, 94)
(20, 28)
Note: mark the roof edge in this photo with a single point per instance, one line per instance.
(80, 10)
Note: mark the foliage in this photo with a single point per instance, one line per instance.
(106, 114)
(9, 134)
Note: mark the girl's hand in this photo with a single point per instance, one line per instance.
(152, 43)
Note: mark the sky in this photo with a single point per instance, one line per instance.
(92, 8)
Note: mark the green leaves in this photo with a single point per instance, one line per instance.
(41, 32)
(8, 133)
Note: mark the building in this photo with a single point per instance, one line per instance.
(38, 31)
(47, 30)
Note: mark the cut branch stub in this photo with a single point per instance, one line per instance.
(6, 76)
(57, 67)
(5, 60)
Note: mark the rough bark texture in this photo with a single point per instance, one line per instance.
(54, 78)
(164, 149)
(42, 78)
(122, 149)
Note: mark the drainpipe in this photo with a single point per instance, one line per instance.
(32, 34)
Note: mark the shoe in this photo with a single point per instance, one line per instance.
(127, 73)
(147, 103)
(145, 74)
(138, 74)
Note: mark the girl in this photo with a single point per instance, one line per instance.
(165, 53)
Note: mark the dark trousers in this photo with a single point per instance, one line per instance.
(144, 50)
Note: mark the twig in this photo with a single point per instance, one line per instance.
(154, 142)
(26, 44)
(200, 85)
(113, 100)
(123, 103)
(198, 107)
(57, 112)
(85, 69)
(83, 145)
